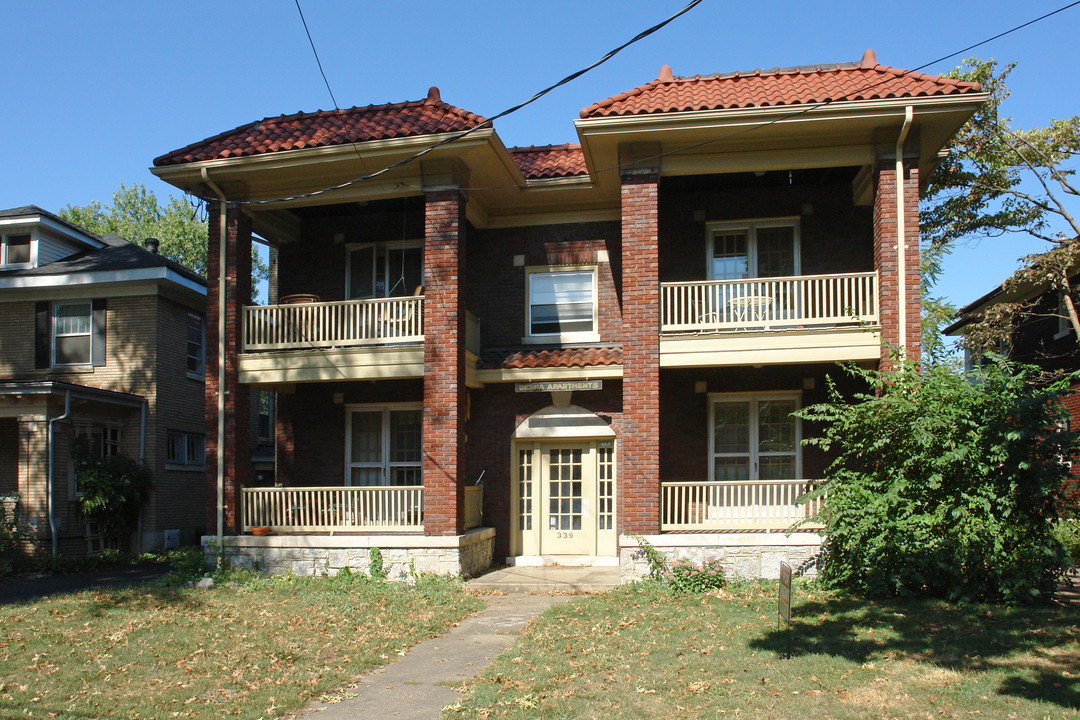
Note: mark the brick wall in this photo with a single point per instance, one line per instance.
(885, 256)
(311, 426)
(835, 235)
(637, 504)
(444, 362)
(497, 295)
(236, 449)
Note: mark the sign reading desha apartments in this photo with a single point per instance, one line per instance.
(560, 386)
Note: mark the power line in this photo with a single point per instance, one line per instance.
(316, 52)
(573, 76)
(605, 58)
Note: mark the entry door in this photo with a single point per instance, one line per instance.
(568, 501)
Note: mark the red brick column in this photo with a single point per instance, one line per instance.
(444, 362)
(886, 261)
(236, 449)
(639, 484)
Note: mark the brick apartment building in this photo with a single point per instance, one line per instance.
(100, 338)
(526, 354)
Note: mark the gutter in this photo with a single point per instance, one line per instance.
(901, 227)
(222, 238)
(52, 463)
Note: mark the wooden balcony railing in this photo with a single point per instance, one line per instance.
(769, 303)
(750, 505)
(326, 509)
(348, 323)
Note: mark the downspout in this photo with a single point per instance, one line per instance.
(222, 236)
(142, 461)
(901, 228)
(52, 464)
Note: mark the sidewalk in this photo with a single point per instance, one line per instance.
(420, 684)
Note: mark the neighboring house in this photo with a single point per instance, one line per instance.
(100, 338)
(527, 354)
(1041, 335)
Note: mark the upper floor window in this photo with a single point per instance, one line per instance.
(761, 248)
(195, 346)
(390, 269)
(561, 304)
(15, 249)
(72, 335)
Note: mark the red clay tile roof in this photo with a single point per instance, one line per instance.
(329, 127)
(549, 161)
(769, 88)
(560, 357)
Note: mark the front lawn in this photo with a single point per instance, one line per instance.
(256, 649)
(639, 652)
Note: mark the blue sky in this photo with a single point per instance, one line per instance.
(96, 90)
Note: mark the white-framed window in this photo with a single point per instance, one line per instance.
(754, 437)
(384, 445)
(72, 333)
(185, 448)
(17, 249)
(753, 248)
(196, 346)
(561, 304)
(384, 269)
(1064, 326)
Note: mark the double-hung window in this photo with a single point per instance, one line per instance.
(72, 333)
(561, 304)
(195, 346)
(754, 437)
(16, 249)
(384, 445)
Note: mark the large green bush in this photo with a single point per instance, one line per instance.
(944, 484)
(113, 489)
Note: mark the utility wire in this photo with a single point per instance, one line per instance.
(452, 138)
(605, 58)
(316, 53)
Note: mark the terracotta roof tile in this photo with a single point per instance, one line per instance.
(769, 88)
(329, 127)
(510, 359)
(549, 161)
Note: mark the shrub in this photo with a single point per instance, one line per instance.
(944, 485)
(375, 564)
(11, 536)
(113, 489)
(1067, 533)
(687, 577)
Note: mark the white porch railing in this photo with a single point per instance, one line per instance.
(751, 505)
(769, 303)
(325, 509)
(347, 323)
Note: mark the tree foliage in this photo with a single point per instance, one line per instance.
(997, 179)
(136, 214)
(113, 489)
(944, 486)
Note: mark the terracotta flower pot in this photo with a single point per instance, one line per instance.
(260, 531)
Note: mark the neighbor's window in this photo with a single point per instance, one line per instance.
(561, 302)
(195, 346)
(183, 448)
(15, 250)
(72, 333)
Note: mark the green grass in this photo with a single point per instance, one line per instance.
(639, 652)
(255, 649)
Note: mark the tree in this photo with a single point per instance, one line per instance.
(942, 486)
(136, 214)
(996, 180)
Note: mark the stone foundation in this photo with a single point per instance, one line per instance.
(743, 555)
(311, 555)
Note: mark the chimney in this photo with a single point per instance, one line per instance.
(152, 245)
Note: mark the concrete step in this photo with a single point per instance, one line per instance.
(547, 579)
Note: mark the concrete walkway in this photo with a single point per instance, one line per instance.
(420, 684)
